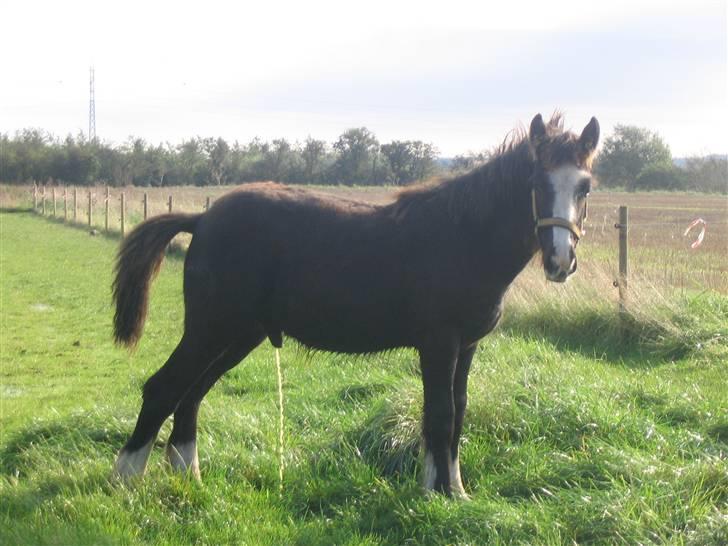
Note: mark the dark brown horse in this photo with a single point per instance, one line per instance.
(427, 271)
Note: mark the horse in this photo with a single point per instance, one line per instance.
(428, 271)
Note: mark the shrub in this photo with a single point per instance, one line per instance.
(659, 177)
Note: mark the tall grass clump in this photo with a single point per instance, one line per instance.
(658, 319)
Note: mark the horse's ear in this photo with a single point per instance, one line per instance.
(536, 133)
(589, 138)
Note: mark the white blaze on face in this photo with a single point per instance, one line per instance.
(564, 181)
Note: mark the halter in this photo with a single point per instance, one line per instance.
(576, 229)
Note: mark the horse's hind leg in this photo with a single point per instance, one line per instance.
(182, 445)
(162, 393)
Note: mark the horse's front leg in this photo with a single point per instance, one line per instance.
(460, 395)
(438, 358)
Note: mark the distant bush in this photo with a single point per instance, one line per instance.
(709, 174)
(660, 177)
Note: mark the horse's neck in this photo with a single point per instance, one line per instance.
(503, 230)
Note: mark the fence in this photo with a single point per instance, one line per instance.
(652, 236)
(115, 207)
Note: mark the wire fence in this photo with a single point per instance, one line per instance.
(661, 249)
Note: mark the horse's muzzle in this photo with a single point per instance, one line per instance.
(559, 268)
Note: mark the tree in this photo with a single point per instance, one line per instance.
(190, 164)
(279, 160)
(356, 161)
(627, 153)
(467, 162)
(75, 162)
(314, 154)
(409, 160)
(217, 154)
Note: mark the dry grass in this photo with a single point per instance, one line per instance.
(659, 253)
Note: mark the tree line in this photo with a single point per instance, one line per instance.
(356, 157)
(631, 158)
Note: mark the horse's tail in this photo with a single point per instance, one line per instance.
(138, 261)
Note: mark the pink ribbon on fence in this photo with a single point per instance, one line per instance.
(701, 235)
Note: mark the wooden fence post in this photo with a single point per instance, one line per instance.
(43, 199)
(106, 208)
(145, 201)
(90, 211)
(207, 203)
(53, 195)
(623, 256)
(170, 203)
(35, 197)
(75, 204)
(65, 204)
(123, 214)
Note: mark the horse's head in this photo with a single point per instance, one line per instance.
(561, 183)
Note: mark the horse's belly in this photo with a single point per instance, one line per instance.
(348, 329)
(343, 342)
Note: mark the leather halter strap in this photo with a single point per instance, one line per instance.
(577, 230)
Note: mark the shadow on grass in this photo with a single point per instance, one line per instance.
(599, 334)
(16, 210)
(719, 432)
(44, 460)
(27, 501)
(65, 439)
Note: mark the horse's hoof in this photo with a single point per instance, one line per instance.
(130, 464)
(183, 458)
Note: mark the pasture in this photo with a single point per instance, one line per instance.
(581, 427)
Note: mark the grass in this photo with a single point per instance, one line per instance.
(574, 434)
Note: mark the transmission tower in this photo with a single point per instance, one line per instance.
(92, 108)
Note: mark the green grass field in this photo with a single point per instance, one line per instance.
(573, 434)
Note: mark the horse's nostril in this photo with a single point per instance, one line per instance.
(560, 263)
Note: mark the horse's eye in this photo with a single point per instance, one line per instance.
(583, 188)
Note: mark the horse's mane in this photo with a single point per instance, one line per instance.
(501, 180)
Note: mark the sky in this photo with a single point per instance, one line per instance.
(459, 74)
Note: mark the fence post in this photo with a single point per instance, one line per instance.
(75, 204)
(65, 204)
(35, 197)
(53, 194)
(145, 201)
(207, 203)
(90, 211)
(106, 208)
(123, 214)
(170, 203)
(43, 199)
(623, 256)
